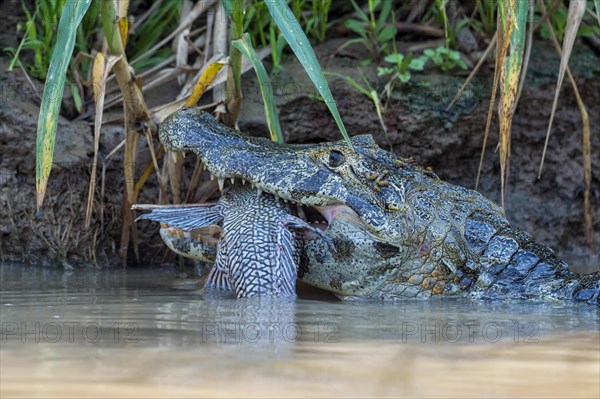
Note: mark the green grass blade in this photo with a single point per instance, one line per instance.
(230, 6)
(111, 28)
(441, 4)
(515, 16)
(351, 82)
(70, 19)
(514, 60)
(291, 30)
(244, 45)
(360, 12)
(386, 8)
(597, 3)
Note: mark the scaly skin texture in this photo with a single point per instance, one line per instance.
(488, 260)
(259, 248)
(198, 244)
(399, 231)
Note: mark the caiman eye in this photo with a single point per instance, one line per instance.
(336, 159)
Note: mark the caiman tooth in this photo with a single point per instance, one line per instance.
(212, 177)
(243, 182)
(301, 213)
(221, 184)
(258, 192)
(232, 180)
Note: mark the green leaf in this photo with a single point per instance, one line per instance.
(357, 86)
(349, 42)
(113, 36)
(406, 61)
(586, 31)
(70, 19)
(517, 44)
(356, 27)
(461, 64)
(33, 44)
(442, 7)
(280, 44)
(360, 12)
(354, 83)
(235, 10)
(77, 98)
(514, 14)
(386, 34)
(229, 6)
(383, 71)
(244, 45)
(417, 64)
(404, 76)
(383, 15)
(275, 55)
(394, 58)
(291, 30)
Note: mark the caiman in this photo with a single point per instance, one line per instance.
(398, 230)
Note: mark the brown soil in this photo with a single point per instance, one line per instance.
(419, 126)
(56, 234)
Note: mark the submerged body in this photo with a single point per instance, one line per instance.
(258, 252)
(398, 230)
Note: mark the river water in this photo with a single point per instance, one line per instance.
(150, 333)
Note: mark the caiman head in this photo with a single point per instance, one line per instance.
(367, 179)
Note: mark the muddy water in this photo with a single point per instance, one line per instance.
(146, 333)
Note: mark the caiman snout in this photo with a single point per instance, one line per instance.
(192, 129)
(314, 175)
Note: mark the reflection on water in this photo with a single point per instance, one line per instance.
(132, 333)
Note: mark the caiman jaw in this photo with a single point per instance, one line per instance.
(318, 216)
(229, 154)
